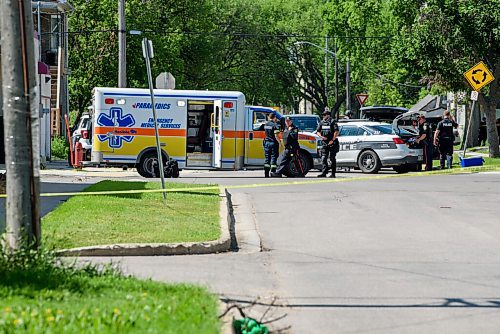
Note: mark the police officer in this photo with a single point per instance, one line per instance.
(291, 142)
(328, 130)
(425, 141)
(271, 145)
(444, 137)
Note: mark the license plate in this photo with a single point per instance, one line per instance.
(420, 158)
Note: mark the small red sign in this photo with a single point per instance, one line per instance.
(362, 98)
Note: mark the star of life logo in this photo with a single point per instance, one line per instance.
(115, 118)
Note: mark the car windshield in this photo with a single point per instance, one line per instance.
(307, 124)
(379, 129)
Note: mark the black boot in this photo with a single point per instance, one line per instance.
(266, 171)
(324, 172)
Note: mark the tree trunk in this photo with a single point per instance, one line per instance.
(491, 129)
(473, 135)
(490, 103)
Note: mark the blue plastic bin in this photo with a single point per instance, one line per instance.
(472, 161)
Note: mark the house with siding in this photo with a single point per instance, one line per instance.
(50, 20)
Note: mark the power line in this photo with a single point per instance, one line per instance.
(204, 33)
(381, 77)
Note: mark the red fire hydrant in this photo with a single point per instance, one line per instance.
(78, 155)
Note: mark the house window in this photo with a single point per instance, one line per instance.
(54, 30)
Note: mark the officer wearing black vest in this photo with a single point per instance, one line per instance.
(328, 130)
(291, 142)
(425, 141)
(271, 145)
(444, 138)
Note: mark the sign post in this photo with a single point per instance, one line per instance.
(147, 52)
(470, 122)
(362, 98)
(478, 76)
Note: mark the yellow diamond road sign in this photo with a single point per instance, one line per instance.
(479, 76)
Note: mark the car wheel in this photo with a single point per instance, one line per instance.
(369, 162)
(293, 169)
(148, 165)
(401, 169)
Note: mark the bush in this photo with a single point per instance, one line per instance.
(60, 148)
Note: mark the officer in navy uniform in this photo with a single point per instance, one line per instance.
(425, 141)
(271, 145)
(444, 138)
(328, 130)
(291, 142)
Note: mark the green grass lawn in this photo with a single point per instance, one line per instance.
(40, 295)
(133, 218)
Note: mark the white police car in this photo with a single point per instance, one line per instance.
(370, 146)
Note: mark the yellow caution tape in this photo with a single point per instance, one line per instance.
(467, 170)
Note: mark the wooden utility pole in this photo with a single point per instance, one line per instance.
(122, 46)
(19, 102)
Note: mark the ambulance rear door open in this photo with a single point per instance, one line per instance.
(224, 133)
(217, 123)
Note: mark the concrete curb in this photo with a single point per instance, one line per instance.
(223, 244)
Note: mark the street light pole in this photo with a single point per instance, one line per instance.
(122, 46)
(326, 70)
(336, 75)
(348, 86)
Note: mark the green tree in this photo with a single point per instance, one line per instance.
(92, 50)
(363, 33)
(441, 39)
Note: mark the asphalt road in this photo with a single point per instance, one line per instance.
(399, 255)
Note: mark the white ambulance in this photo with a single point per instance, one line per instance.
(198, 129)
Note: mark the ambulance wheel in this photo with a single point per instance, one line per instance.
(369, 162)
(148, 165)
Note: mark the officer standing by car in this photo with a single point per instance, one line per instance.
(444, 137)
(271, 145)
(328, 130)
(425, 141)
(291, 142)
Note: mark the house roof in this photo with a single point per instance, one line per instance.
(429, 102)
